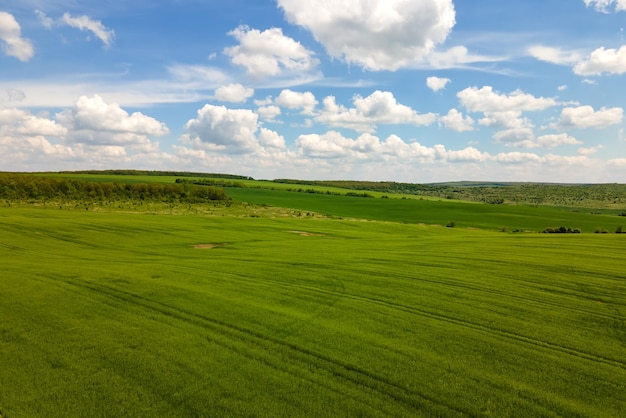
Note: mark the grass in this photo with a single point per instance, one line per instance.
(440, 212)
(119, 314)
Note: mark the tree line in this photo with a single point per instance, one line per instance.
(29, 187)
(158, 173)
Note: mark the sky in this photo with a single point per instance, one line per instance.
(383, 90)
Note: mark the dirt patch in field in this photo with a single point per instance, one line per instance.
(306, 234)
(207, 246)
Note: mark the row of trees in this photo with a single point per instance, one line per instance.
(28, 187)
(569, 195)
(159, 173)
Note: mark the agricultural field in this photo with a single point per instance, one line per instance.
(278, 303)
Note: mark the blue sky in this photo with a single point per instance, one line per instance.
(404, 90)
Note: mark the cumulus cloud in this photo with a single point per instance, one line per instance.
(437, 83)
(457, 122)
(297, 100)
(486, 99)
(516, 137)
(18, 122)
(375, 34)
(555, 140)
(220, 128)
(95, 122)
(524, 137)
(11, 40)
(271, 139)
(332, 145)
(605, 5)
(233, 93)
(26, 139)
(602, 60)
(232, 131)
(381, 107)
(587, 117)
(589, 150)
(518, 158)
(511, 119)
(84, 23)
(269, 53)
(269, 113)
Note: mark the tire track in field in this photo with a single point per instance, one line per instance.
(355, 375)
(269, 283)
(511, 295)
(449, 319)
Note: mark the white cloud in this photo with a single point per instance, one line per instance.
(271, 139)
(329, 145)
(587, 117)
(604, 5)
(554, 55)
(93, 113)
(516, 137)
(555, 140)
(457, 122)
(92, 121)
(562, 87)
(375, 34)
(269, 53)
(486, 99)
(332, 145)
(233, 93)
(220, 128)
(455, 57)
(269, 113)
(518, 158)
(197, 76)
(231, 131)
(525, 138)
(45, 21)
(589, 150)
(297, 100)
(469, 154)
(511, 119)
(380, 107)
(602, 60)
(18, 122)
(84, 23)
(437, 83)
(11, 40)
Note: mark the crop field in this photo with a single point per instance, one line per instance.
(250, 311)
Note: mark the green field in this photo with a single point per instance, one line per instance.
(241, 310)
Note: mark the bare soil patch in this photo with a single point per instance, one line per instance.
(207, 246)
(306, 234)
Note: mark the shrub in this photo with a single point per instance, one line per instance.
(561, 230)
(451, 224)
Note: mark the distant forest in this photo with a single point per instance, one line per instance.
(158, 173)
(566, 195)
(35, 188)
